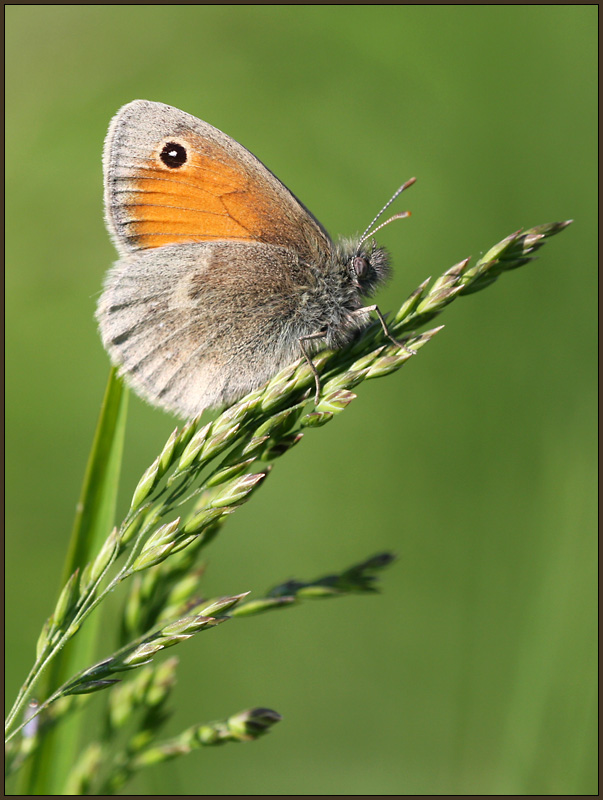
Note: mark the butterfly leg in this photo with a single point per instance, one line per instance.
(302, 346)
(386, 331)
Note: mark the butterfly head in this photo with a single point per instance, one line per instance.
(366, 264)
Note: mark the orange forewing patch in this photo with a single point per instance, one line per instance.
(210, 197)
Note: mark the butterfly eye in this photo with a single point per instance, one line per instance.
(173, 155)
(361, 266)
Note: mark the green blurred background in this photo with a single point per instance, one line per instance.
(474, 671)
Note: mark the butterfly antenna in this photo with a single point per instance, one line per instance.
(368, 232)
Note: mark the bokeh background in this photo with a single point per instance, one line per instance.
(474, 671)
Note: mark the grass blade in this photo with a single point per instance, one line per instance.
(51, 762)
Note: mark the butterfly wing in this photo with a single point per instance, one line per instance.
(171, 178)
(199, 325)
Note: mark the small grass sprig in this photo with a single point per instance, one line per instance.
(246, 726)
(357, 579)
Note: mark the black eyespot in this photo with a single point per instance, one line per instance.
(173, 155)
(361, 266)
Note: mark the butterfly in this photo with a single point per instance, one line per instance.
(224, 277)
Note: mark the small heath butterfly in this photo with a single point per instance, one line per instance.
(224, 276)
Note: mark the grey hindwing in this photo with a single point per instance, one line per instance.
(192, 326)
